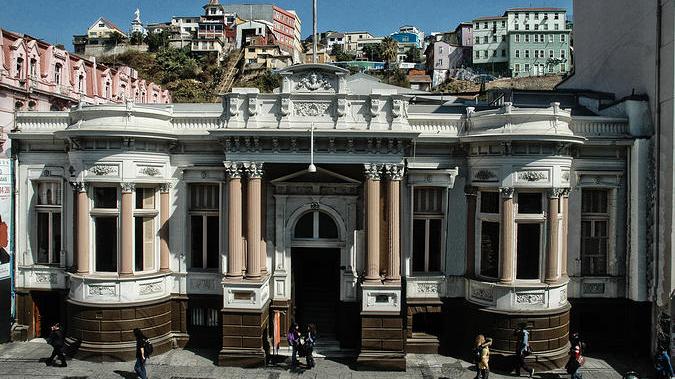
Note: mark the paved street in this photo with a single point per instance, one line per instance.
(26, 360)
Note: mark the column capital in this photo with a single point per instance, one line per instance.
(233, 169)
(372, 170)
(394, 171)
(80, 186)
(554, 193)
(128, 186)
(470, 191)
(565, 192)
(507, 192)
(164, 187)
(254, 170)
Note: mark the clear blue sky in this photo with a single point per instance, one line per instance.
(56, 21)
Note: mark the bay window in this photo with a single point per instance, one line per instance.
(427, 235)
(105, 215)
(530, 221)
(48, 215)
(204, 225)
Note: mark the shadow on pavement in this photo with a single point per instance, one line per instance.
(126, 374)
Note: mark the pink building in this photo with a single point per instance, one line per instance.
(35, 75)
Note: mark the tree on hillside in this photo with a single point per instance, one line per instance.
(157, 41)
(175, 64)
(372, 52)
(340, 54)
(389, 48)
(136, 38)
(414, 54)
(396, 77)
(115, 38)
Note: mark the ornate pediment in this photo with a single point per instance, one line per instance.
(313, 79)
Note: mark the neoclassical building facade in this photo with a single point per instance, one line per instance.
(418, 225)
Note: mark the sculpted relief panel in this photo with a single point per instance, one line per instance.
(313, 82)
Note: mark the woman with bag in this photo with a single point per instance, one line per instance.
(293, 338)
(483, 364)
(576, 359)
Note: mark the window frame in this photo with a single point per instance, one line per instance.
(594, 217)
(487, 217)
(530, 218)
(428, 216)
(103, 213)
(147, 213)
(53, 257)
(205, 214)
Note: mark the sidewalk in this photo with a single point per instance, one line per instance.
(26, 360)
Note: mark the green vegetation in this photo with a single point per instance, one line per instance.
(414, 55)
(190, 79)
(389, 49)
(340, 54)
(393, 76)
(266, 81)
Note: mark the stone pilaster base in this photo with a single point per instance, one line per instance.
(105, 333)
(549, 336)
(179, 311)
(382, 342)
(245, 342)
(424, 326)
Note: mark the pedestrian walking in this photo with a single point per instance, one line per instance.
(664, 368)
(141, 357)
(482, 351)
(56, 340)
(293, 338)
(576, 359)
(523, 349)
(310, 340)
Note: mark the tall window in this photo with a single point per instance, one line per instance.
(594, 232)
(428, 214)
(57, 73)
(33, 68)
(489, 233)
(105, 214)
(530, 220)
(48, 212)
(315, 225)
(80, 83)
(19, 68)
(145, 213)
(517, 37)
(204, 225)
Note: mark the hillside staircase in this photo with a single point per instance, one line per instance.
(231, 70)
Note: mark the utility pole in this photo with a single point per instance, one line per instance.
(314, 36)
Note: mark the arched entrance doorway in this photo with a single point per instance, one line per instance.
(315, 280)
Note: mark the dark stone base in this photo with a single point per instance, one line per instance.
(382, 343)
(106, 333)
(241, 358)
(549, 336)
(424, 326)
(245, 338)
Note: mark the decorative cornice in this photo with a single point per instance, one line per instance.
(507, 192)
(128, 186)
(233, 169)
(254, 170)
(101, 170)
(150, 171)
(372, 170)
(394, 171)
(532, 176)
(470, 191)
(565, 192)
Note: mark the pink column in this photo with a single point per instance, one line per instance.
(553, 238)
(470, 193)
(373, 222)
(127, 222)
(235, 254)
(164, 227)
(507, 255)
(395, 175)
(254, 172)
(82, 225)
(565, 221)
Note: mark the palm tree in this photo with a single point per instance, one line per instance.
(389, 48)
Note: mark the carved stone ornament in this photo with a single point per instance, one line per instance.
(563, 296)
(128, 186)
(394, 171)
(45, 277)
(285, 108)
(233, 106)
(252, 106)
(342, 107)
(372, 170)
(507, 192)
(396, 108)
(555, 192)
(102, 170)
(532, 176)
(150, 288)
(233, 169)
(427, 288)
(150, 171)
(374, 107)
(484, 175)
(108, 291)
(565, 176)
(530, 298)
(254, 170)
(311, 109)
(80, 186)
(164, 187)
(594, 288)
(202, 284)
(482, 293)
(313, 81)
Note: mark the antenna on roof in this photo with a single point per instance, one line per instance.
(314, 36)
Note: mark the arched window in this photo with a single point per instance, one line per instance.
(315, 225)
(107, 90)
(80, 83)
(57, 73)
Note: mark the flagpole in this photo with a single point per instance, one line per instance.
(314, 36)
(311, 167)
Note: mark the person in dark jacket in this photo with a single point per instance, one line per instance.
(310, 340)
(294, 342)
(576, 358)
(523, 350)
(664, 368)
(56, 340)
(139, 367)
